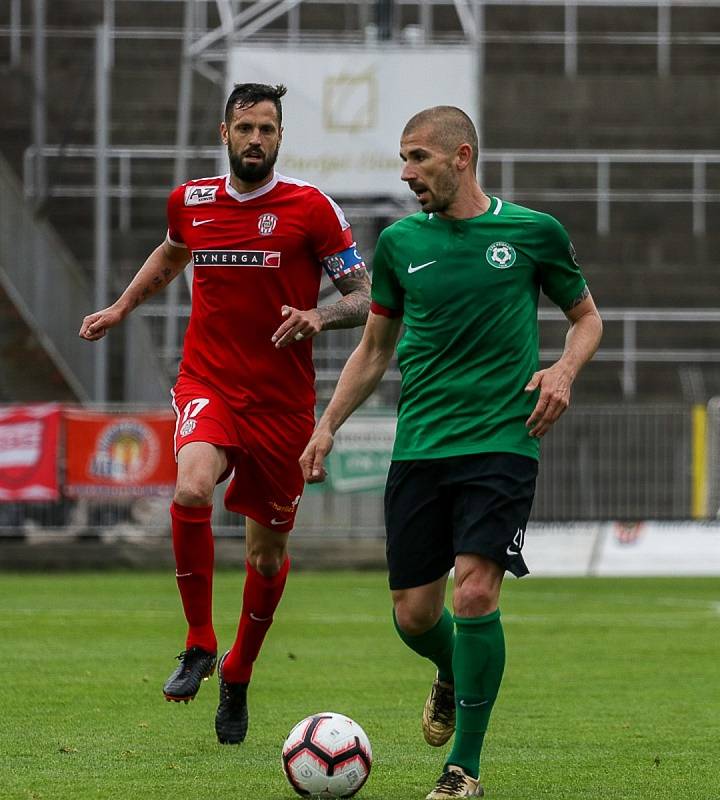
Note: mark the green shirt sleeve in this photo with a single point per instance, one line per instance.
(386, 290)
(560, 276)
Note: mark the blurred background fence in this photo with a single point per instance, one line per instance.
(633, 462)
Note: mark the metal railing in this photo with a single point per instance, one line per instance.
(626, 325)
(630, 462)
(124, 186)
(473, 20)
(332, 349)
(48, 289)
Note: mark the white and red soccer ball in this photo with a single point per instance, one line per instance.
(327, 755)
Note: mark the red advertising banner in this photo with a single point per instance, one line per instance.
(113, 455)
(28, 453)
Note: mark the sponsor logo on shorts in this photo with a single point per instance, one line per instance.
(284, 508)
(188, 427)
(274, 521)
(518, 541)
(500, 255)
(198, 195)
(266, 224)
(236, 258)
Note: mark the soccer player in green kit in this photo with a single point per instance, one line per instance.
(463, 275)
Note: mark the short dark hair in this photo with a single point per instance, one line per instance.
(245, 95)
(451, 127)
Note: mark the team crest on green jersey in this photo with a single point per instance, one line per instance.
(500, 255)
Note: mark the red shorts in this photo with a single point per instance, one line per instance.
(262, 449)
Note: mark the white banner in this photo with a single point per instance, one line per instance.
(615, 548)
(346, 108)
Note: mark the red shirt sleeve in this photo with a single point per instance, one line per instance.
(329, 230)
(175, 202)
(384, 311)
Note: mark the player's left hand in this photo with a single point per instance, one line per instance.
(554, 384)
(298, 325)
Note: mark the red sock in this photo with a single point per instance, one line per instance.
(194, 556)
(260, 599)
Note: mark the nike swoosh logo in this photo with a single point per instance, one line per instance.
(259, 619)
(182, 574)
(465, 704)
(412, 269)
(197, 222)
(274, 521)
(518, 541)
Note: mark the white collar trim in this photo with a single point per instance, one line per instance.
(245, 196)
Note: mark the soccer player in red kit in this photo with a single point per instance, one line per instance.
(244, 397)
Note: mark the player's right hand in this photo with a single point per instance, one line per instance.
(96, 325)
(313, 457)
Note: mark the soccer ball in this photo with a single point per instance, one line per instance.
(327, 755)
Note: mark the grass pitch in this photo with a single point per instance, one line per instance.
(611, 690)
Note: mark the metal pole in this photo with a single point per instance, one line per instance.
(663, 28)
(293, 23)
(39, 99)
(570, 39)
(102, 205)
(426, 21)
(479, 13)
(603, 196)
(125, 180)
(629, 376)
(182, 140)
(15, 37)
(384, 19)
(699, 196)
(507, 178)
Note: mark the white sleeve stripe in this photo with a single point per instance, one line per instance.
(172, 242)
(344, 224)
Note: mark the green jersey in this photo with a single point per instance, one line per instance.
(468, 291)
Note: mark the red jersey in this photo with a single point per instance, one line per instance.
(253, 253)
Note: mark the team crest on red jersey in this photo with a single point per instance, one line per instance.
(267, 223)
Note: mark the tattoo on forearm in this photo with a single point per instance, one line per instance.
(156, 283)
(582, 296)
(352, 309)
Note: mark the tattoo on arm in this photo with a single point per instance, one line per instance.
(353, 307)
(157, 282)
(576, 302)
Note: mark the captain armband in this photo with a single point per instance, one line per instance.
(343, 263)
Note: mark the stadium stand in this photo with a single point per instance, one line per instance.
(604, 81)
(600, 78)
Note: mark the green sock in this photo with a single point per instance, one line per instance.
(478, 663)
(436, 644)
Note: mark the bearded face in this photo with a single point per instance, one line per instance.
(253, 139)
(253, 164)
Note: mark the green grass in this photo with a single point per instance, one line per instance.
(612, 690)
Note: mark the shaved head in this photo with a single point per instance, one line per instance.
(449, 128)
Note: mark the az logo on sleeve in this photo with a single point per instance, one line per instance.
(197, 195)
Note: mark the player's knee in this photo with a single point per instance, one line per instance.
(194, 492)
(268, 562)
(415, 619)
(474, 598)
